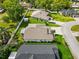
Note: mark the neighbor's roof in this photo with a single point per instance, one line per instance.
(37, 52)
(37, 32)
(75, 5)
(40, 14)
(24, 4)
(75, 0)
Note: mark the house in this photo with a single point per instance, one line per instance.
(40, 14)
(75, 0)
(38, 32)
(74, 11)
(69, 12)
(37, 52)
(26, 5)
(75, 5)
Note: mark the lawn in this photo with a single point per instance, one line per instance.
(28, 14)
(38, 21)
(77, 38)
(75, 28)
(35, 21)
(51, 24)
(64, 51)
(61, 18)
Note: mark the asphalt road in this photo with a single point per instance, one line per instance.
(70, 39)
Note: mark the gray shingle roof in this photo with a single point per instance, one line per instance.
(37, 52)
(44, 56)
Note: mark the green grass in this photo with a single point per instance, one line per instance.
(2, 15)
(35, 21)
(61, 18)
(64, 51)
(51, 24)
(38, 21)
(77, 38)
(75, 28)
(28, 14)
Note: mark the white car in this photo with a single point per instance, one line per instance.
(1, 10)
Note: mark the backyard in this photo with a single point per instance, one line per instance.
(39, 21)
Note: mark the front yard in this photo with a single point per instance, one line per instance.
(61, 18)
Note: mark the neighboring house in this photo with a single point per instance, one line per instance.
(75, 5)
(74, 11)
(37, 52)
(38, 32)
(26, 5)
(40, 14)
(75, 0)
(68, 12)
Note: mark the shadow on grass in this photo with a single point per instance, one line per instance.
(60, 54)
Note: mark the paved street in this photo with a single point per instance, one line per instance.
(70, 39)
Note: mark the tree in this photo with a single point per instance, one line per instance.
(52, 4)
(4, 53)
(60, 4)
(46, 4)
(14, 9)
(4, 35)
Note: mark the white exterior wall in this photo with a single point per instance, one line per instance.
(12, 55)
(39, 40)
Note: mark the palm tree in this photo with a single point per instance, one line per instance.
(4, 35)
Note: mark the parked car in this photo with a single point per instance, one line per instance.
(1, 10)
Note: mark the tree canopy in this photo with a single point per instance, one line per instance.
(13, 8)
(50, 4)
